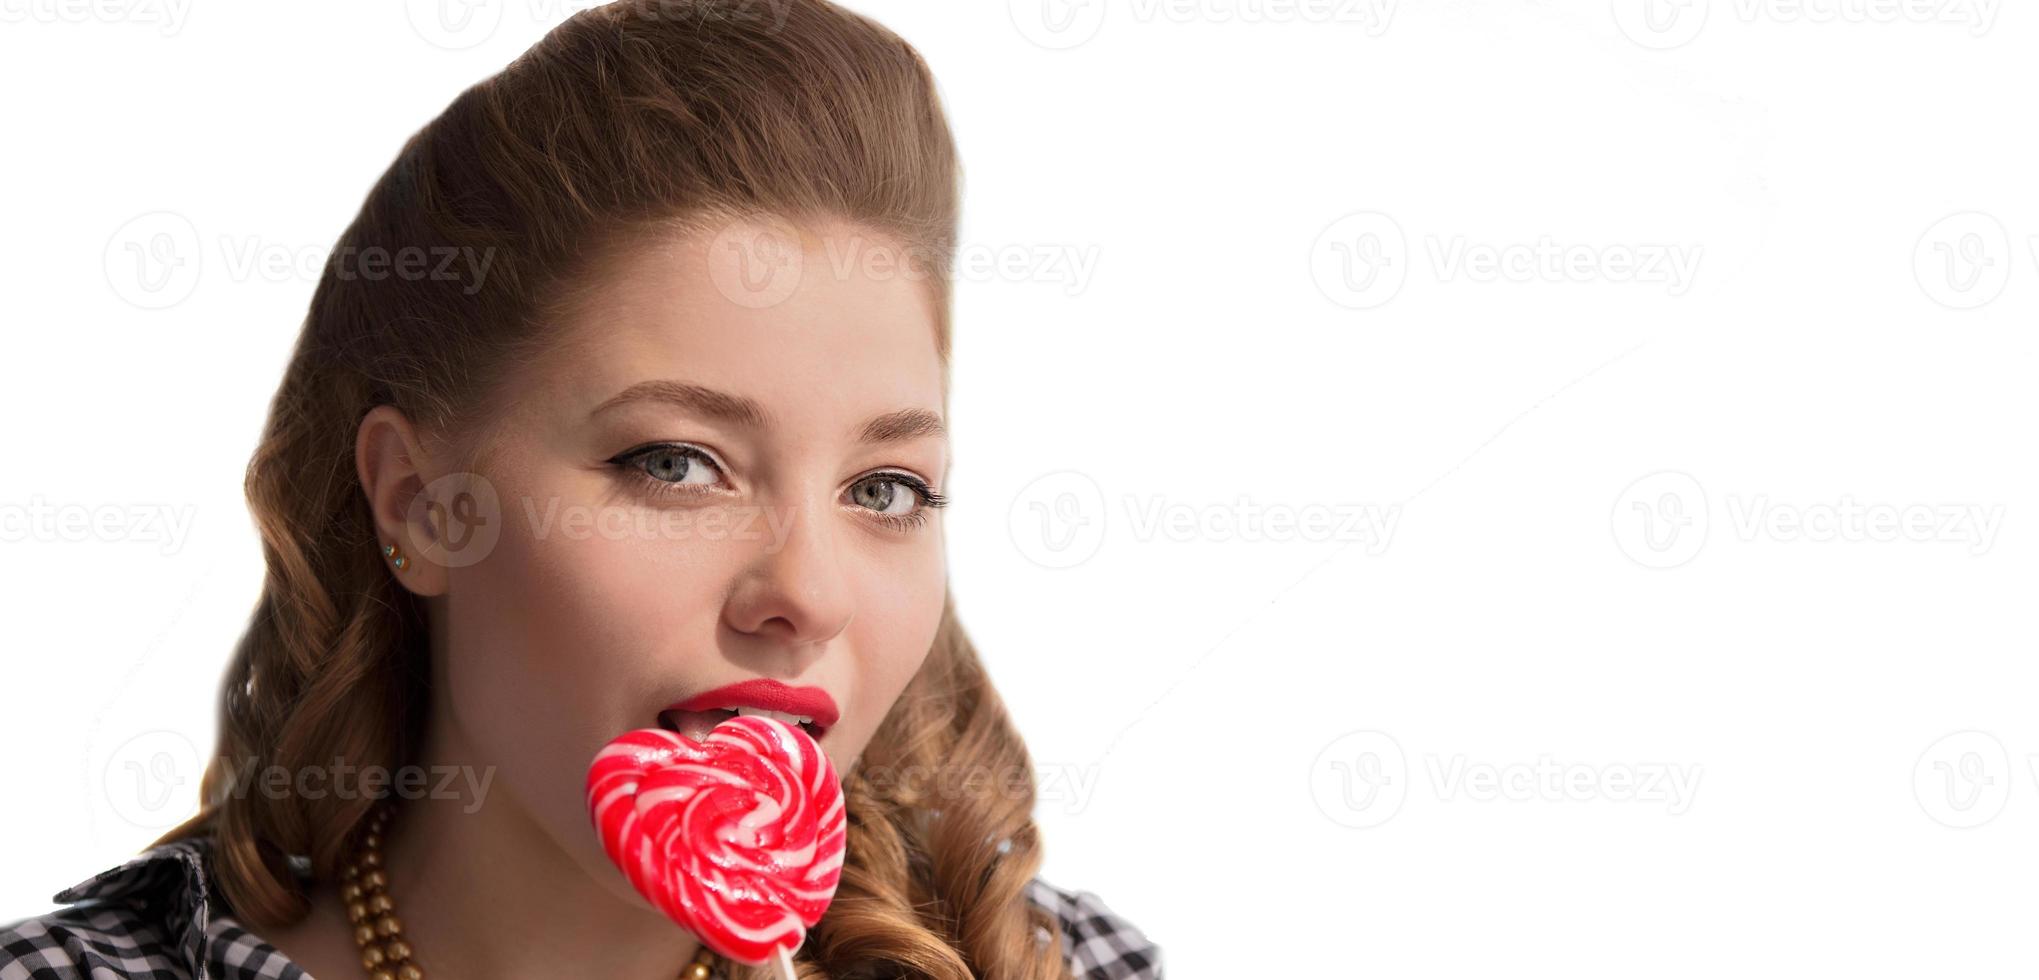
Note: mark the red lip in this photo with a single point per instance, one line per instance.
(811, 702)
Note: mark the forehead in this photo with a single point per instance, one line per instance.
(817, 321)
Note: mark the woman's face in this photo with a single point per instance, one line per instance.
(721, 478)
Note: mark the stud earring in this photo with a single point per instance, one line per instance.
(389, 552)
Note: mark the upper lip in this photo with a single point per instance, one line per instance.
(763, 692)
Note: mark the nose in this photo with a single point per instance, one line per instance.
(794, 595)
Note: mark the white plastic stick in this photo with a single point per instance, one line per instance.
(784, 958)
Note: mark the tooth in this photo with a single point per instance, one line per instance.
(788, 718)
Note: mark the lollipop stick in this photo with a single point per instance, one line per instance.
(785, 960)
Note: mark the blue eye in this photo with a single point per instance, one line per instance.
(669, 466)
(899, 500)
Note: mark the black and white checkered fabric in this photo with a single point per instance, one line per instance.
(154, 918)
(1099, 944)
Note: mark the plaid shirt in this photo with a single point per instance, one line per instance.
(153, 918)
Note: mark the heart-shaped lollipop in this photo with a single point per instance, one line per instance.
(738, 838)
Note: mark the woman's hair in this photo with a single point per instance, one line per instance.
(628, 118)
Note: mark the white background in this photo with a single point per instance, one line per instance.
(1610, 489)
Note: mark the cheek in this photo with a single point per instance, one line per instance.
(561, 637)
(896, 624)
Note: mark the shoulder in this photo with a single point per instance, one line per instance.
(1098, 943)
(152, 917)
(114, 940)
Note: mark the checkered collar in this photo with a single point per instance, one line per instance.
(173, 884)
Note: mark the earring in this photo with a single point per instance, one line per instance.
(389, 551)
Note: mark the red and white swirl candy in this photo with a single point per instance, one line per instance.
(738, 838)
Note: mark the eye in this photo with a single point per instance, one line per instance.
(897, 499)
(667, 467)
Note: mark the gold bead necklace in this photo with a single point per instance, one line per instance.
(379, 934)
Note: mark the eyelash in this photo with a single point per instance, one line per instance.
(930, 499)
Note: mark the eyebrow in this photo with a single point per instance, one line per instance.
(902, 425)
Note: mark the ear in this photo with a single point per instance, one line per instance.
(395, 472)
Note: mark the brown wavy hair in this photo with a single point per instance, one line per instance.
(626, 118)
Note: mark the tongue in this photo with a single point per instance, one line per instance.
(696, 724)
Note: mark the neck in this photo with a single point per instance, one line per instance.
(489, 893)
